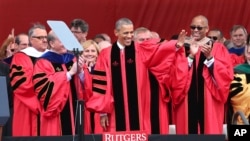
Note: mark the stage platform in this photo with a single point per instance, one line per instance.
(97, 137)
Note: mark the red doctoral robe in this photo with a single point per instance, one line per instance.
(57, 95)
(236, 60)
(159, 58)
(91, 119)
(216, 89)
(26, 105)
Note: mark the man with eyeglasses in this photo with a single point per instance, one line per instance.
(200, 110)
(26, 105)
(80, 29)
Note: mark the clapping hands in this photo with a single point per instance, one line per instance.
(204, 45)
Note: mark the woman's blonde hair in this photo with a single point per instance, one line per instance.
(88, 43)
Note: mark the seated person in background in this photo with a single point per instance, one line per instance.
(22, 41)
(80, 29)
(238, 35)
(216, 35)
(238, 39)
(155, 35)
(98, 38)
(102, 37)
(104, 44)
(8, 48)
(4, 71)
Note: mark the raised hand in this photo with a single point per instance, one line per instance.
(181, 38)
(80, 63)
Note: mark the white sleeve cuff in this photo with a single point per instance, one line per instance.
(209, 63)
(68, 76)
(190, 61)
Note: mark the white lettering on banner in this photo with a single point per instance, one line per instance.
(125, 136)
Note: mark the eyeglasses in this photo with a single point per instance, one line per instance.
(213, 37)
(40, 37)
(198, 27)
(76, 32)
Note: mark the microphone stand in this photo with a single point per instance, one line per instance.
(80, 107)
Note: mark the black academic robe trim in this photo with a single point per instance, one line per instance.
(131, 78)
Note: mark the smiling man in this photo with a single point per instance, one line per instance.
(26, 105)
(201, 110)
(121, 86)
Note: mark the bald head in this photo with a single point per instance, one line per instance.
(55, 44)
(202, 19)
(199, 27)
(104, 44)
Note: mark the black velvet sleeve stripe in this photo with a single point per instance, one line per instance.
(101, 82)
(15, 74)
(210, 69)
(43, 90)
(39, 75)
(101, 73)
(41, 82)
(98, 90)
(15, 67)
(48, 95)
(18, 83)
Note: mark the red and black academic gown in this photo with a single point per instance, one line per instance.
(236, 60)
(56, 94)
(26, 105)
(205, 98)
(118, 86)
(91, 119)
(168, 64)
(128, 99)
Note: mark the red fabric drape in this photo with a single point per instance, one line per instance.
(167, 17)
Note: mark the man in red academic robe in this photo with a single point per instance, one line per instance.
(155, 53)
(201, 108)
(121, 87)
(56, 87)
(26, 105)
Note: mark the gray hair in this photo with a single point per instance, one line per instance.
(51, 37)
(122, 21)
(141, 30)
(236, 27)
(35, 26)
